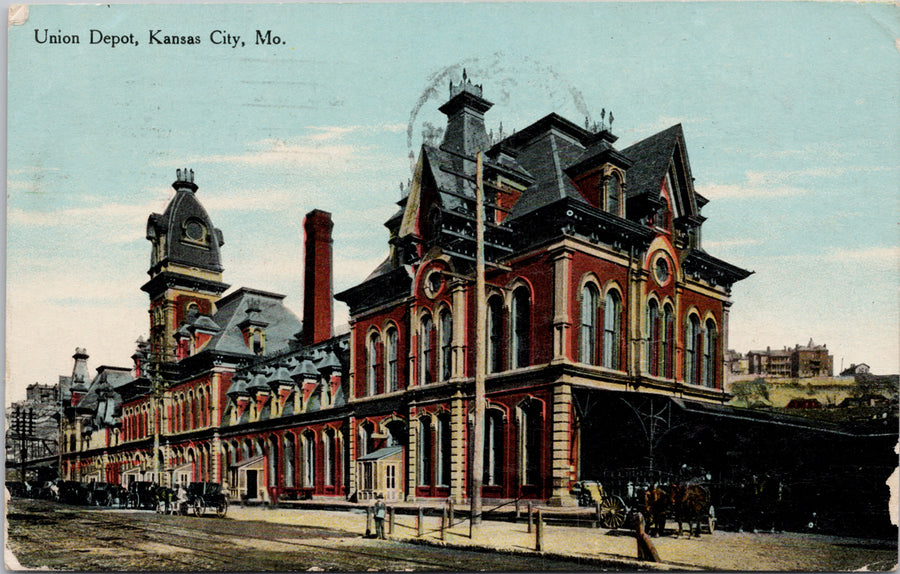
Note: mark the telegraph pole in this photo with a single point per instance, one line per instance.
(480, 326)
(156, 394)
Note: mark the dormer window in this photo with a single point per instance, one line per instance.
(612, 192)
(257, 342)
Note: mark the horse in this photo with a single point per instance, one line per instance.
(690, 503)
(656, 507)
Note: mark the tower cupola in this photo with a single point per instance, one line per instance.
(465, 110)
(185, 266)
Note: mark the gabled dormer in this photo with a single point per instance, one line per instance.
(600, 173)
(253, 328)
(661, 189)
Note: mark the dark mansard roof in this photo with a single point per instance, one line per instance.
(181, 210)
(542, 159)
(280, 324)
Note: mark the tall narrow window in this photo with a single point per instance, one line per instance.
(612, 194)
(521, 327)
(530, 443)
(309, 459)
(443, 456)
(426, 355)
(710, 354)
(426, 443)
(612, 330)
(366, 441)
(653, 338)
(446, 329)
(328, 456)
(288, 460)
(495, 335)
(493, 448)
(391, 352)
(692, 350)
(372, 365)
(587, 352)
(272, 456)
(668, 347)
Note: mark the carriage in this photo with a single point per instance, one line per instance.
(611, 508)
(141, 494)
(627, 493)
(207, 496)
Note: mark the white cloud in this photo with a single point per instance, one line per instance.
(82, 215)
(324, 133)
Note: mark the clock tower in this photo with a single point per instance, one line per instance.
(185, 267)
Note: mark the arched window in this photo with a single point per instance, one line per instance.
(587, 351)
(710, 354)
(289, 460)
(272, 459)
(654, 338)
(391, 353)
(366, 441)
(195, 412)
(612, 330)
(443, 446)
(309, 459)
(692, 351)
(328, 456)
(396, 433)
(372, 364)
(495, 335)
(612, 194)
(426, 353)
(521, 327)
(530, 443)
(493, 447)
(668, 346)
(426, 445)
(446, 337)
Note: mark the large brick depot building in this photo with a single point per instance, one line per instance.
(598, 289)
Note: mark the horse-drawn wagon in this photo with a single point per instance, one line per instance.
(207, 496)
(620, 495)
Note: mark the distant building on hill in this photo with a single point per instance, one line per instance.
(798, 362)
(854, 369)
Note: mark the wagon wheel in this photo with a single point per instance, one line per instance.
(198, 508)
(222, 508)
(612, 512)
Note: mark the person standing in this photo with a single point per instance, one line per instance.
(645, 549)
(380, 511)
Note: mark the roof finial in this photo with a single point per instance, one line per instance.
(465, 77)
(610, 120)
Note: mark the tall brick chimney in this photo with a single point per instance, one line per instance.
(318, 305)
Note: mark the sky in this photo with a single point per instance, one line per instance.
(790, 113)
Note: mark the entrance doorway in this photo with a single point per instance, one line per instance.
(251, 484)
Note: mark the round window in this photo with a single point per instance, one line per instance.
(194, 231)
(661, 270)
(433, 283)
